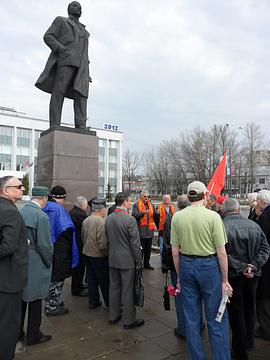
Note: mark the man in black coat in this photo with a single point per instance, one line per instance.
(13, 264)
(78, 215)
(248, 251)
(263, 290)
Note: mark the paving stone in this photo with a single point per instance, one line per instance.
(121, 338)
(78, 332)
(89, 348)
(57, 340)
(61, 352)
(116, 355)
(153, 328)
(145, 350)
(171, 343)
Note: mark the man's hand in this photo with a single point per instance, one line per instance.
(178, 287)
(249, 271)
(227, 287)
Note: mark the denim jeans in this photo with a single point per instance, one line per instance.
(160, 240)
(200, 280)
(178, 307)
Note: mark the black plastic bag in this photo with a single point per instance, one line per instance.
(166, 295)
(138, 287)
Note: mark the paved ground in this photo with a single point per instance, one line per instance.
(85, 334)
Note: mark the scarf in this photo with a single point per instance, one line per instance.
(163, 215)
(147, 219)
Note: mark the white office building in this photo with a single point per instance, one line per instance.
(19, 136)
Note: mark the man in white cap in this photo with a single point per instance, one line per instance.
(199, 235)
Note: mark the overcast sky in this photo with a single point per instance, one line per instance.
(159, 67)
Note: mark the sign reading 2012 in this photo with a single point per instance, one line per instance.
(110, 127)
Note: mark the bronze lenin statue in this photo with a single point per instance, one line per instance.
(66, 73)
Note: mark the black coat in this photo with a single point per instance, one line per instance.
(263, 290)
(13, 248)
(78, 216)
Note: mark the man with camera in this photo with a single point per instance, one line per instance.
(248, 251)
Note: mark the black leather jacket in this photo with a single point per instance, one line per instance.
(247, 244)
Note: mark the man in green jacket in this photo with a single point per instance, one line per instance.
(39, 269)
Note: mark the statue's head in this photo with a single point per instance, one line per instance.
(74, 9)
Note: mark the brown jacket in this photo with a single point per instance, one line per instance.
(93, 237)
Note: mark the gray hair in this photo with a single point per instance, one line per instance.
(264, 195)
(230, 206)
(4, 180)
(143, 192)
(252, 196)
(182, 202)
(80, 200)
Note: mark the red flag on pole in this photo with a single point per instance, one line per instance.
(217, 182)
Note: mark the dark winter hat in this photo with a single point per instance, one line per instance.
(40, 191)
(98, 204)
(58, 192)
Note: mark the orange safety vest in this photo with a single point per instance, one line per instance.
(163, 214)
(147, 219)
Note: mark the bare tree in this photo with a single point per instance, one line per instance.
(252, 143)
(131, 162)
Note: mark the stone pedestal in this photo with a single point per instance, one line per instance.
(69, 157)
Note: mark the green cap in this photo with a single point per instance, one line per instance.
(40, 191)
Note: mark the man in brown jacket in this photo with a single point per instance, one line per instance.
(95, 249)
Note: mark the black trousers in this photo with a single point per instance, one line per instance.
(241, 311)
(64, 79)
(34, 320)
(78, 275)
(10, 318)
(98, 276)
(147, 246)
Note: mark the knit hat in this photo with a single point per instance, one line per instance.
(58, 192)
(40, 191)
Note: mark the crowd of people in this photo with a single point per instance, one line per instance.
(209, 250)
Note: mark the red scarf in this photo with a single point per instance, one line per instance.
(147, 219)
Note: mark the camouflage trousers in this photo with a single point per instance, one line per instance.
(53, 301)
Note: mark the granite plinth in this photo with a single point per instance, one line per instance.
(70, 159)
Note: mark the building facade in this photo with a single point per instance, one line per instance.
(19, 136)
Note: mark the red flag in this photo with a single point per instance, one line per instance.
(217, 182)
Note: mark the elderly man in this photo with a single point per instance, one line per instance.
(65, 251)
(263, 289)
(78, 215)
(144, 213)
(96, 250)
(66, 73)
(199, 234)
(124, 256)
(252, 197)
(40, 260)
(13, 264)
(164, 216)
(248, 251)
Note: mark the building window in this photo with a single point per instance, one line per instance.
(261, 180)
(113, 144)
(23, 148)
(6, 133)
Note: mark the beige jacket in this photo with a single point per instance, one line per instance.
(93, 237)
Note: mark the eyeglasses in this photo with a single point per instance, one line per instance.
(19, 187)
(146, 197)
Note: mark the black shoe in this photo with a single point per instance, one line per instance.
(83, 293)
(57, 311)
(178, 334)
(149, 267)
(43, 338)
(261, 335)
(137, 323)
(113, 322)
(93, 306)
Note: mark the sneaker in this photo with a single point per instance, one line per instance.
(57, 311)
